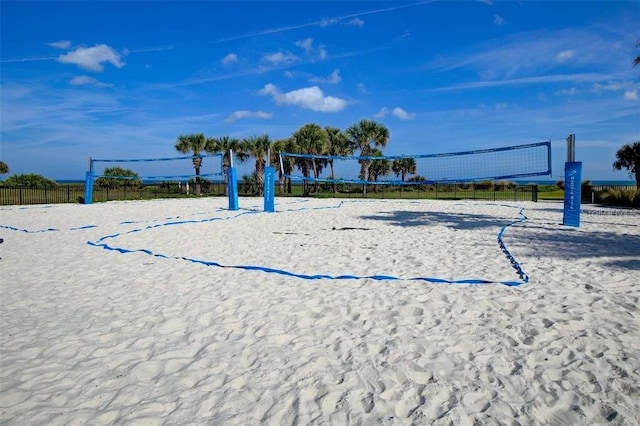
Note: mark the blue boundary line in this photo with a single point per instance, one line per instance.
(524, 278)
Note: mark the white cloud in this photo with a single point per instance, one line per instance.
(326, 22)
(630, 89)
(237, 115)
(333, 78)
(307, 98)
(565, 55)
(402, 114)
(62, 44)
(404, 36)
(498, 20)
(382, 113)
(396, 112)
(279, 58)
(83, 80)
(306, 44)
(535, 53)
(231, 57)
(92, 58)
(567, 92)
(356, 22)
(362, 89)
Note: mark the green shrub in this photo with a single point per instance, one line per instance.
(484, 185)
(29, 179)
(504, 185)
(621, 197)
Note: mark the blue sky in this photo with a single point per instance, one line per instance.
(123, 79)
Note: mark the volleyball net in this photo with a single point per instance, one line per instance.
(510, 162)
(135, 172)
(179, 169)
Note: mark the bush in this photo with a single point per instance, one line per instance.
(621, 197)
(29, 179)
(483, 185)
(121, 178)
(503, 185)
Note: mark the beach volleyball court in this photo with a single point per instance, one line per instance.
(175, 311)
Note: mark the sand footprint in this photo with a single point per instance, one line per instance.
(477, 402)
(371, 378)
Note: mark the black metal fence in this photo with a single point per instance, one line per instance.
(74, 193)
(49, 194)
(594, 193)
(439, 191)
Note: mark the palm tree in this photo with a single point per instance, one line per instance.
(196, 143)
(311, 139)
(4, 169)
(637, 60)
(378, 168)
(224, 144)
(338, 145)
(361, 135)
(403, 167)
(256, 147)
(288, 163)
(277, 147)
(628, 157)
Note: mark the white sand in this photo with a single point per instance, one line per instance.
(96, 336)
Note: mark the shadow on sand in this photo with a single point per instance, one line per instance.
(532, 238)
(452, 220)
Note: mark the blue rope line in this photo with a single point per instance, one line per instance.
(470, 281)
(99, 243)
(523, 276)
(12, 228)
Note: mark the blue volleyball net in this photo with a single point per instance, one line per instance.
(177, 169)
(502, 163)
(163, 172)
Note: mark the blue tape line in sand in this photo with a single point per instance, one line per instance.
(12, 228)
(522, 275)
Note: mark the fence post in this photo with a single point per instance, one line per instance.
(534, 193)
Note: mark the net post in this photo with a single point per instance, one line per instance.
(232, 184)
(269, 184)
(88, 183)
(269, 189)
(572, 186)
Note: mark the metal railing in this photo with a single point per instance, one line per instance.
(72, 193)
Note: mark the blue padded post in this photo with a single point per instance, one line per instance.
(232, 181)
(572, 193)
(88, 187)
(269, 189)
